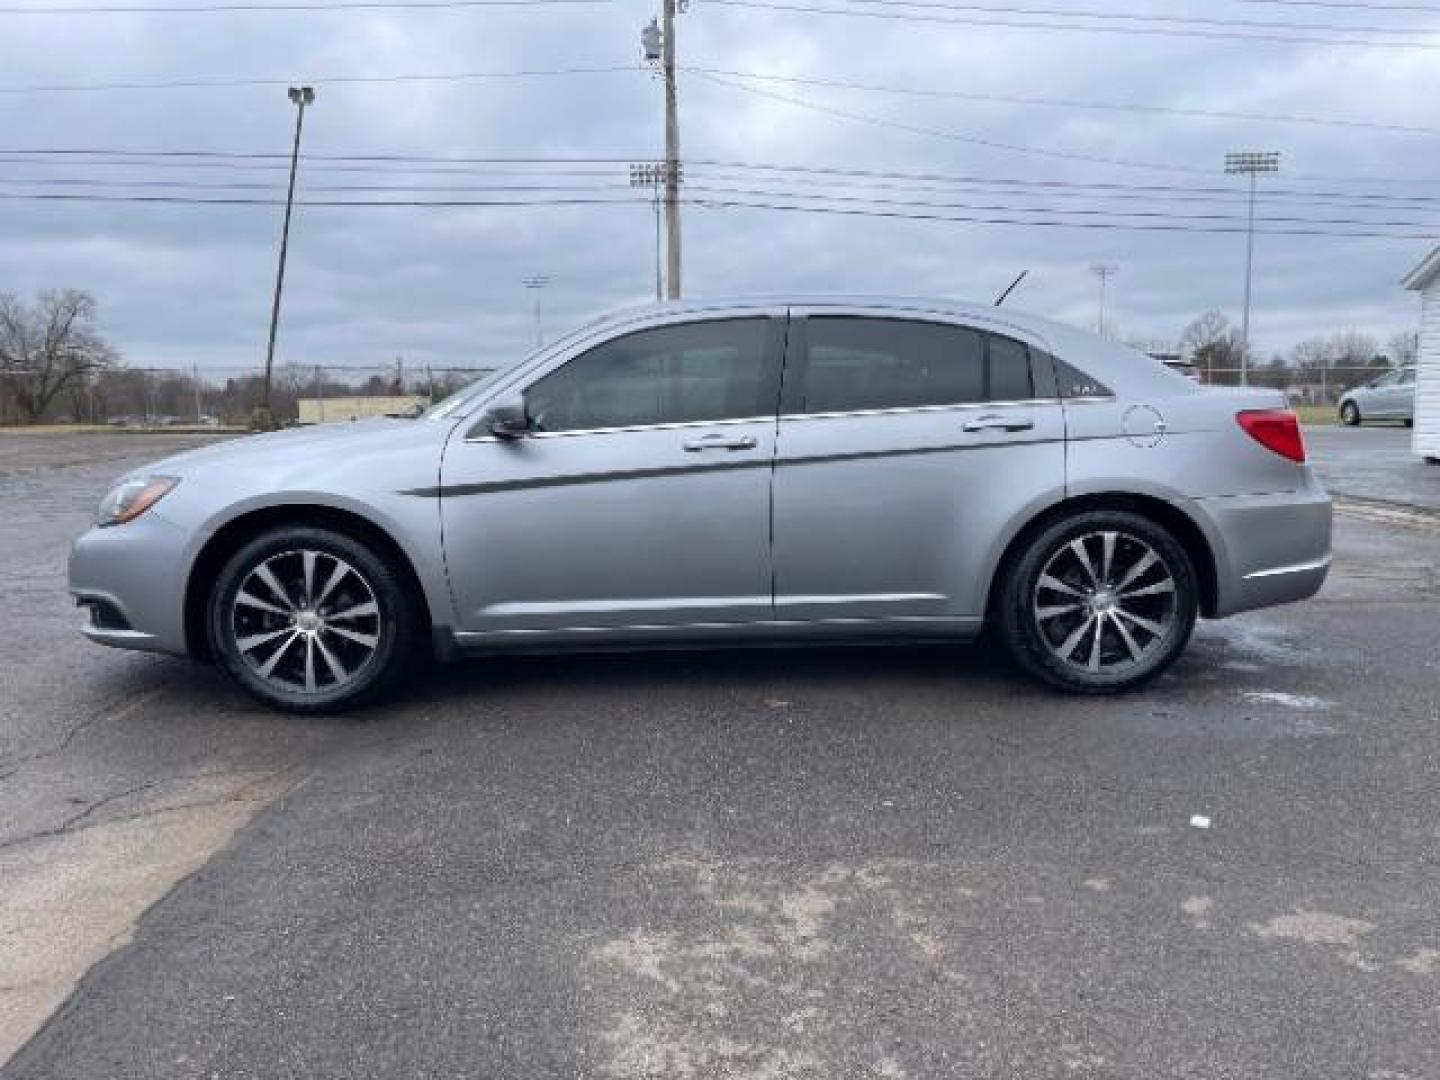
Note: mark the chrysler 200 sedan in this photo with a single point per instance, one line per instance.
(722, 474)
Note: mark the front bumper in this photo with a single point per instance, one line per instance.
(1269, 549)
(132, 579)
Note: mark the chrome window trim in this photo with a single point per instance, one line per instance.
(898, 410)
(674, 425)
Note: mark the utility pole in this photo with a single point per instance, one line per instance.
(659, 44)
(1103, 271)
(536, 284)
(300, 97)
(1250, 163)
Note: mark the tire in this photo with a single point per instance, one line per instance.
(1145, 614)
(303, 657)
(1410, 422)
(1350, 414)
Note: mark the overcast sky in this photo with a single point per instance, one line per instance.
(182, 284)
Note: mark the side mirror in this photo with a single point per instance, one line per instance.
(506, 419)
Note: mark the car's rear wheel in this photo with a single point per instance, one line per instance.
(1350, 414)
(1100, 602)
(309, 620)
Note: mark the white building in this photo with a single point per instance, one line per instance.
(1425, 279)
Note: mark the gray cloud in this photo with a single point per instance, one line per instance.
(182, 284)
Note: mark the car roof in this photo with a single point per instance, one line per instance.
(855, 301)
(1105, 359)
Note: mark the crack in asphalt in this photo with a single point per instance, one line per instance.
(70, 736)
(72, 825)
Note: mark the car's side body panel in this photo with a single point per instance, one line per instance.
(884, 522)
(609, 529)
(383, 471)
(889, 513)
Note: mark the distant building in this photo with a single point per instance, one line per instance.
(330, 410)
(1425, 279)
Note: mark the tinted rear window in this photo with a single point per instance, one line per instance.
(852, 364)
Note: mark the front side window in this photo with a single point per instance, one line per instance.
(852, 364)
(688, 373)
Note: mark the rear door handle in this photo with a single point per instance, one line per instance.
(721, 442)
(995, 422)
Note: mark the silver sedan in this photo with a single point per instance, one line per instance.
(1390, 397)
(723, 474)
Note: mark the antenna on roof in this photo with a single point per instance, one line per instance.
(1011, 287)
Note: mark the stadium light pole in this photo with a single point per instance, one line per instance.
(536, 284)
(1250, 163)
(1103, 271)
(300, 97)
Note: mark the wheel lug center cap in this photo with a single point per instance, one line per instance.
(309, 621)
(1102, 600)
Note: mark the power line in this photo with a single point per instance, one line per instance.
(1067, 103)
(1118, 16)
(915, 129)
(186, 200)
(594, 165)
(982, 220)
(912, 211)
(1091, 28)
(1050, 189)
(464, 76)
(877, 121)
(286, 5)
(1341, 4)
(333, 80)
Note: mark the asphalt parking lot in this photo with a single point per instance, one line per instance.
(877, 862)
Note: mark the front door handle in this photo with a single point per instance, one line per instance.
(721, 442)
(995, 422)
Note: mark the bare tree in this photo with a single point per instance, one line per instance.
(1405, 348)
(48, 347)
(1213, 345)
(1312, 354)
(1351, 348)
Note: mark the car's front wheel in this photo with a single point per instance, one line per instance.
(1099, 602)
(1350, 414)
(310, 620)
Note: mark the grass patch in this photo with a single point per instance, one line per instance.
(1316, 414)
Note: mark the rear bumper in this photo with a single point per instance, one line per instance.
(130, 577)
(1269, 549)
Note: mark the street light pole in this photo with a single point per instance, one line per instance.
(1250, 163)
(300, 97)
(536, 284)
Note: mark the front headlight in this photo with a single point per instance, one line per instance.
(128, 500)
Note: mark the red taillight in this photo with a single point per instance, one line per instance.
(1274, 429)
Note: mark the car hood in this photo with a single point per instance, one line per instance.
(319, 440)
